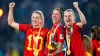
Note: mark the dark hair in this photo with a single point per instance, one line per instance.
(96, 33)
(61, 11)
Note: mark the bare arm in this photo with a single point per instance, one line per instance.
(59, 49)
(81, 15)
(11, 21)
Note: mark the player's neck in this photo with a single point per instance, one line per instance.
(36, 26)
(57, 23)
(70, 25)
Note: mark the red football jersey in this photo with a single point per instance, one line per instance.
(76, 45)
(58, 37)
(95, 48)
(30, 48)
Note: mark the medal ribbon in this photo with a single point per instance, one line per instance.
(52, 37)
(68, 37)
(36, 42)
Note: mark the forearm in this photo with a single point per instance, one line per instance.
(11, 21)
(59, 48)
(10, 16)
(81, 15)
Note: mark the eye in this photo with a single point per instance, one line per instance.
(57, 14)
(65, 16)
(37, 18)
(33, 17)
(69, 16)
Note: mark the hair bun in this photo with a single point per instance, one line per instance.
(62, 9)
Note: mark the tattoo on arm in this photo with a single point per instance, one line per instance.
(59, 48)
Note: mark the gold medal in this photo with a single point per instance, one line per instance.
(68, 52)
(68, 37)
(36, 53)
(35, 43)
(36, 50)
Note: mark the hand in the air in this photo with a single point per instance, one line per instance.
(11, 5)
(75, 4)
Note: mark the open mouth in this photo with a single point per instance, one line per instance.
(54, 19)
(34, 22)
(67, 20)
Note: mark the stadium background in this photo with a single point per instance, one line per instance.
(12, 41)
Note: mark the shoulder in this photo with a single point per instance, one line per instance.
(77, 26)
(45, 29)
(26, 25)
(61, 27)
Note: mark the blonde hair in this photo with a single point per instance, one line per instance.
(42, 16)
(88, 44)
(70, 11)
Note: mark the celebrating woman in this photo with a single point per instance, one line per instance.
(55, 36)
(74, 38)
(35, 34)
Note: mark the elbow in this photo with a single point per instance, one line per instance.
(10, 22)
(84, 22)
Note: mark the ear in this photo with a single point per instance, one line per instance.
(41, 22)
(74, 18)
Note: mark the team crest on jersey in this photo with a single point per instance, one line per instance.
(61, 36)
(98, 49)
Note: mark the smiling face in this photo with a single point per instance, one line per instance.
(36, 19)
(69, 18)
(56, 16)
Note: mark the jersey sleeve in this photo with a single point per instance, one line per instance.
(78, 25)
(23, 27)
(60, 34)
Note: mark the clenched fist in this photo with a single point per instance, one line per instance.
(12, 5)
(75, 4)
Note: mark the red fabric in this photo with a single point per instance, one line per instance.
(29, 32)
(77, 47)
(57, 37)
(95, 48)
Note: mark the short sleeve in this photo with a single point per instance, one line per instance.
(23, 27)
(78, 25)
(60, 34)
